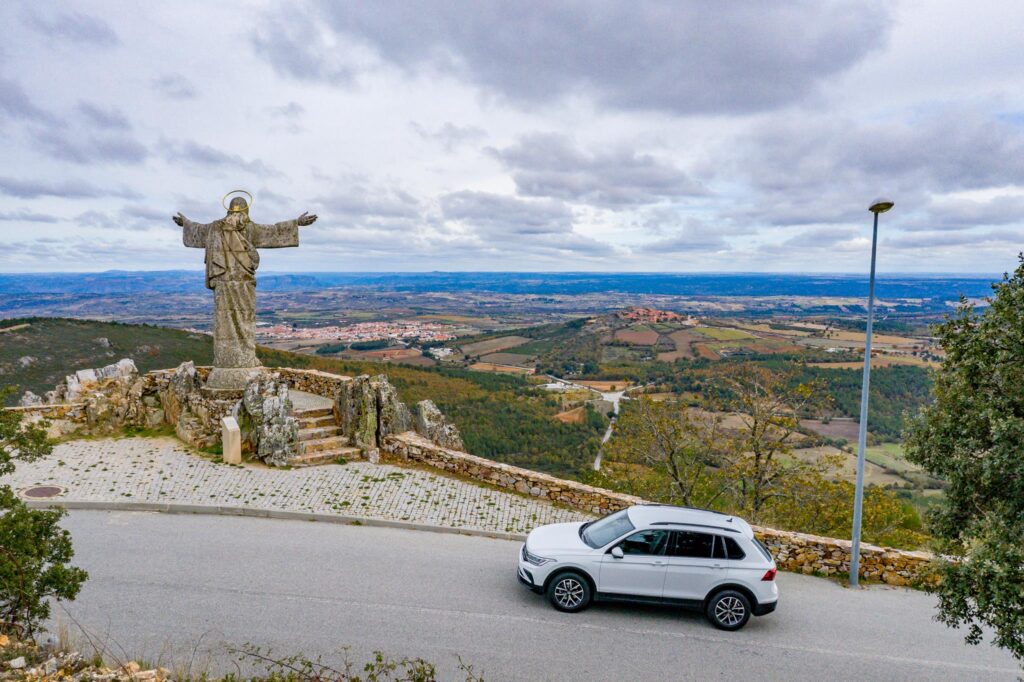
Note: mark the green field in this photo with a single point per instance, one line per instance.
(723, 333)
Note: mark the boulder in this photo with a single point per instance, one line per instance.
(431, 424)
(30, 399)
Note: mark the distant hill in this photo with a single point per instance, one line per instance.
(37, 353)
(933, 287)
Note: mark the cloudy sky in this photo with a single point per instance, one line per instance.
(523, 135)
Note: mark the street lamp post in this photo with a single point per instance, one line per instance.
(877, 206)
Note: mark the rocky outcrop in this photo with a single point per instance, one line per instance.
(368, 409)
(432, 425)
(29, 399)
(264, 416)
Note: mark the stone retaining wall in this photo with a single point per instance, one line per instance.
(792, 551)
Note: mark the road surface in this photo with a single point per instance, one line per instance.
(161, 582)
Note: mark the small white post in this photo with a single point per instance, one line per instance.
(231, 441)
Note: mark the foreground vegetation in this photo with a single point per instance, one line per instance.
(736, 453)
(972, 436)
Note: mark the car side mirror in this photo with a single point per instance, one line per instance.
(617, 552)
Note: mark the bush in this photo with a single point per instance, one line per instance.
(34, 549)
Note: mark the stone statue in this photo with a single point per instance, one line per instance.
(231, 262)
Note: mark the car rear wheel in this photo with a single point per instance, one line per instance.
(728, 610)
(569, 592)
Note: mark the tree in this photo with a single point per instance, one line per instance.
(767, 406)
(972, 436)
(34, 550)
(680, 453)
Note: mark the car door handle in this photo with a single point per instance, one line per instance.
(719, 566)
(658, 562)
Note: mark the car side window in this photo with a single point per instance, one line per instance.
(687, 543)
(733, 549)
(649, 542)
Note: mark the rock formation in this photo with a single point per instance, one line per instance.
(264, 416)
(431, 424)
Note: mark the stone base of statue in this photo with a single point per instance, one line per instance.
(225, 381)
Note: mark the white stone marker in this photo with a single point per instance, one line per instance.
(231, 441)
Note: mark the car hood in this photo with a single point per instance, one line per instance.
(557, 536)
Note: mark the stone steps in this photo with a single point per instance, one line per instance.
(307, 447)
(314, 412)
(317, 433)
(315, 422)
(330, 456)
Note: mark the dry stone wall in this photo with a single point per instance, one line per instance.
(798, 552)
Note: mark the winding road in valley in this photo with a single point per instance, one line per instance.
(160, 583)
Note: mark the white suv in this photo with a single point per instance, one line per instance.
(656, 554)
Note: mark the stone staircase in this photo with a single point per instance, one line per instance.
(320, 441)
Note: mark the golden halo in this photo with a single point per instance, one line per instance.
(235, 191)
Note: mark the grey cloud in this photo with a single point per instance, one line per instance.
(291, 110)
(550, 165)
(360, 202)
(16, 104)
(88, 149)
(820, 169)
(110, 118)
(74, 27)
(964, 214)
(449, 135)
(190, 152)
(920, 240)
(297, 47)
(679, 57)
(694, 236)
(66, 189)
(822, 237)
(24, 216)
(175, 86)
(130, 217)
(497, 214)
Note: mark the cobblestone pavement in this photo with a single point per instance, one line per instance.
(163, 470)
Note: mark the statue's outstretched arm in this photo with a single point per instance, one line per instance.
(193, 234)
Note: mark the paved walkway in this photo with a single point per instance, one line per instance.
(308, 401)
(163, 470)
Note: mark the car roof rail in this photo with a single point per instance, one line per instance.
(676, 506)
(694, 525)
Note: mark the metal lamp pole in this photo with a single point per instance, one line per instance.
(877, 206)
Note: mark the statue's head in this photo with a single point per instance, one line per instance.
(238, 205)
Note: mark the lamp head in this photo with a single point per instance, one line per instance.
(881, 205)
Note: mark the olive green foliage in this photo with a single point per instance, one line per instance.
(60, 346)
(745, 463)
(502, 417)
(34, 549)
(973, 437)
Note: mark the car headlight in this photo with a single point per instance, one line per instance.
(534, 559)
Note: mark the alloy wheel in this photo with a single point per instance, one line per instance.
(569, 593)
(729, 611)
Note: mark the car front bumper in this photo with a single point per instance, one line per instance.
(526, 577)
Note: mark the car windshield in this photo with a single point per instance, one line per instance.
(601, 532)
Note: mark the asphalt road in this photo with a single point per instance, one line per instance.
(160, 583)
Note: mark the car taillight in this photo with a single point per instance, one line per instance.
(769, 575)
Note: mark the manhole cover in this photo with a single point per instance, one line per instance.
(41, 492)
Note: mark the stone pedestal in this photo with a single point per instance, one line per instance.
(230, 380)
(231, 441)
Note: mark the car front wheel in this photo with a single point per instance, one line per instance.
(728, 610)
(569, 592)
